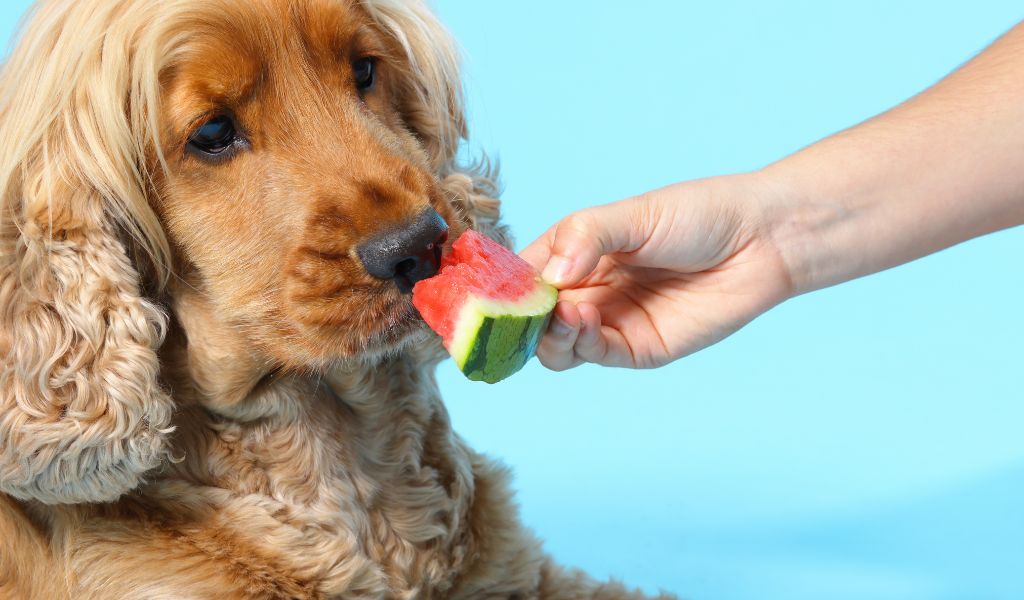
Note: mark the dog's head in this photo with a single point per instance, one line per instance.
(290, 161)
(303, 142)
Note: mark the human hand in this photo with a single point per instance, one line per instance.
(653, 278)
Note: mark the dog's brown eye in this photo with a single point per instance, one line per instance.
(215, 136)
(364, 72)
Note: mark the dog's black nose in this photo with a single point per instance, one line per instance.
(407, 254)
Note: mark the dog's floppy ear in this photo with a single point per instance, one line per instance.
(432, 105)
(82, 415)
(429, 90)
(474, 193)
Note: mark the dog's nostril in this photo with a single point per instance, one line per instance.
(441, 240)
(407, 254)
(403, 268)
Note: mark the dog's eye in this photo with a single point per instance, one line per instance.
(215, 136)
(364, 72)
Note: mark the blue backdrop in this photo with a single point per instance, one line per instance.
(860, 442)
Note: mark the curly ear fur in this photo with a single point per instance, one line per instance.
(474, 194)
(82, 416)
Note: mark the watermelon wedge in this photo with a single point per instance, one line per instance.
(488, 305)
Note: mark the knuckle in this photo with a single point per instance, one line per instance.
(576, 224)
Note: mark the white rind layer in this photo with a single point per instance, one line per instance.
(471, 317)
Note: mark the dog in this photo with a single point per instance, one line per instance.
(212, 381)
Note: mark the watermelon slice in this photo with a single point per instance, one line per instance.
(488, 305)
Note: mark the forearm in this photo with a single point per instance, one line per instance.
(946, 166)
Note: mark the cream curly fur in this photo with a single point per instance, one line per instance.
(150, 449)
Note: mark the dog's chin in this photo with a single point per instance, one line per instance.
(391, 326)
(401, 327)
(364, 326)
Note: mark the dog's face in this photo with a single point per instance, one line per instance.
(296, 197)
(280, 156)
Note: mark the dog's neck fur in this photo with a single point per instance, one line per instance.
(346, 483)
(210, 363)
(318, 453)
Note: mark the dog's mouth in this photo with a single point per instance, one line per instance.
(341, 313)
(399, 323)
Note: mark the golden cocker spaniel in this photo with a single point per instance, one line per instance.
(212, 381)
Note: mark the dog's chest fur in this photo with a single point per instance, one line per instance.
(354, 486)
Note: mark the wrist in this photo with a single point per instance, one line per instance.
(808, 226)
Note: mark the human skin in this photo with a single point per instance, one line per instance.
(647, 280)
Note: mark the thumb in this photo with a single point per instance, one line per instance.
(581, 239)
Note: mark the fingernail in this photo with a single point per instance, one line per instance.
(557, 270)
(559, 327)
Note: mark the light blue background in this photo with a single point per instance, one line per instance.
(859, 442)
(865, 441)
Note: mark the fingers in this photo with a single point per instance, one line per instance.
(571, 250)
(600, 344)
(566, 254)
(539, 250)
(576, 335)
(579, 242)
(555, 350)
(590, 344)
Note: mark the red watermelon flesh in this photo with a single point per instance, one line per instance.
(488, 305)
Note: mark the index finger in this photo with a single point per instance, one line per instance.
(539, 251)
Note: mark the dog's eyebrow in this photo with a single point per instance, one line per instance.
(208, 96)
(222, 72)
(366, 42)
(238, 87)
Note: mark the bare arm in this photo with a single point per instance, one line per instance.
(653, 278)
(944, 167)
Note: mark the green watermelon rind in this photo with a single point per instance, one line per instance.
(494, 339)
